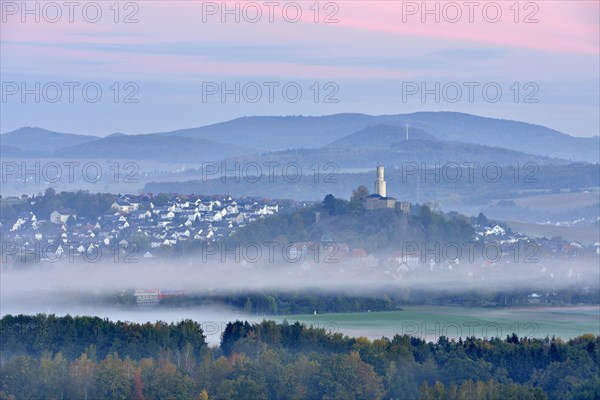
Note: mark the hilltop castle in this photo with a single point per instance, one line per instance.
(379, 199)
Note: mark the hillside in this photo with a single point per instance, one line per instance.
(279, 133)
(515, 135)
(153, 147)
(343, 131)
(11, 151)
(38, 141)
(347, 222)
(379, 136)
(364, 150)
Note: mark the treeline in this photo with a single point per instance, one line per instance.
(71, 336)
(82, 203)
(294, 302)
(282, 361)
(391, 298)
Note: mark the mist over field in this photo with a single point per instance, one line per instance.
(60, 283)
(94, 289)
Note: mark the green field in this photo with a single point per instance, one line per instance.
(430, 322)
(559, 201)
(583, 235)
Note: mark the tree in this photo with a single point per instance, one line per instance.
(111, 379)
(53, 374)
(166, 382)
(248, 306)
(203, 395)
(359, 194)
(242, 388)
(20, 377)
(71, 222)
(81, 374)
(140, 240)
(272, 369)
(482, 220)
(369, 385)
(233, 332)
(161, 199)
(138, 386)
(329, 204)
(425, 215)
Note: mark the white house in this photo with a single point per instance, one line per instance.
(124, 206)
(60, 217)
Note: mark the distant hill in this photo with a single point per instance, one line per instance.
(379, 136)
(38, 141)
(508, 134)
(280, 133)
(10, 151)
(153, 147)
(294, 132)
(365, 151)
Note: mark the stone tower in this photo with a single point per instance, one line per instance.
(380, 188)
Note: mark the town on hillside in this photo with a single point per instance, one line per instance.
(130, 220)
(79, 226)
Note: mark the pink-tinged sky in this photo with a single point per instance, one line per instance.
(370, 51)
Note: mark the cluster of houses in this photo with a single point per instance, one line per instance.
(491, 248)
(157, 227)
(131, 219)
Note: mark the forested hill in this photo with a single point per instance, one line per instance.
(49, 357)
(343, 221)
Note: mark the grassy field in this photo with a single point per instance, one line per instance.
(558, 201)
(581, 234)
(430, 322)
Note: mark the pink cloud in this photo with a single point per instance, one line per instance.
(564, 27)
(366, 29)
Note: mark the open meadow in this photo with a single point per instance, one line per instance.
(431, 322)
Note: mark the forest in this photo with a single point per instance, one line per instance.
(349, 222)
(50, 357)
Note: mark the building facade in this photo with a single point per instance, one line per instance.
(379, 199)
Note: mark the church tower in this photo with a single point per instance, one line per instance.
(380, 188)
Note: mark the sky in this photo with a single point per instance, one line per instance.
(149, 66)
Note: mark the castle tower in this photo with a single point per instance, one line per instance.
(380, 188)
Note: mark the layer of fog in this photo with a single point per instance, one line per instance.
(72, 283)
(94, 289)
(196, 276)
